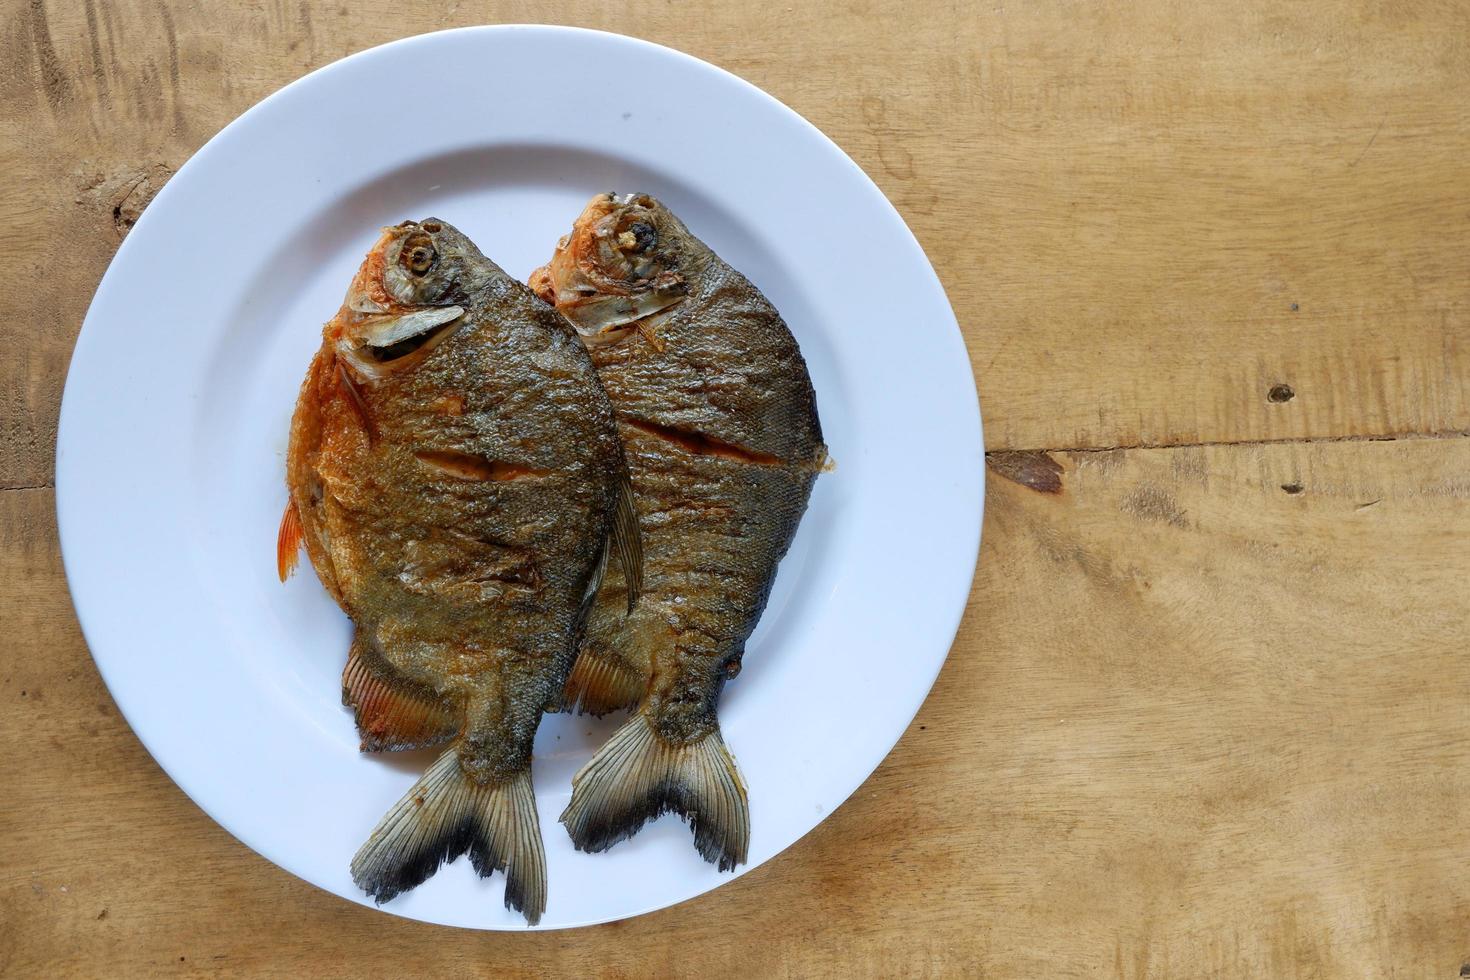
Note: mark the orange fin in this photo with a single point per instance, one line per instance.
(288, 541)
(599, 684)
(391, 713)
(358, 402)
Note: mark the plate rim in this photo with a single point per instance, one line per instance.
(72, 406)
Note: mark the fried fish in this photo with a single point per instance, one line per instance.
(457, 479)
(719, 424)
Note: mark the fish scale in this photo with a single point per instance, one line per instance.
(719, 420)
(461, 525)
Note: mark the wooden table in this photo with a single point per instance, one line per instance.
(1209, 711)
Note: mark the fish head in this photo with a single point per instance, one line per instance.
(621, 265)
(411, 290)
(417, 264)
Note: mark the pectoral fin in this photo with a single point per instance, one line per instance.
(358, 401)
(288, 541)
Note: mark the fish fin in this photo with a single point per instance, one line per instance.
(637, 776)
(392, 713)
(288, 541)
(628, 540)
(594, 583)
(358, 401)
(446, 814)
(599, 684)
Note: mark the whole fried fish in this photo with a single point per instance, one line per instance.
(455, 474)
(719, 423)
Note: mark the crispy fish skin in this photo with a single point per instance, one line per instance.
(454, 470)
(719, 423)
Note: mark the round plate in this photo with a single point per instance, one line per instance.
(170, 458)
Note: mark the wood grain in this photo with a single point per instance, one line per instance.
(1230, 742)
(1146, 214)
(1208, 712)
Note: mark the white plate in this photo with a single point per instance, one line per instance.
(169, 464)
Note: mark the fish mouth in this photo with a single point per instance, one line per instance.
(605, 318)
(381, 343)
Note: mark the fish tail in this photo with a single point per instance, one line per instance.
(637, 776)
(446, 814)
(599, 684)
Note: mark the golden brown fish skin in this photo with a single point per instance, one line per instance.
(719, 422)
(456, 500)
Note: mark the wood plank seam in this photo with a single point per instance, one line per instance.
(992, 453)
(1241, 443)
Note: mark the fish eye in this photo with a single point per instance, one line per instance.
(639, 237)
(419, 255)
(645, 235)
